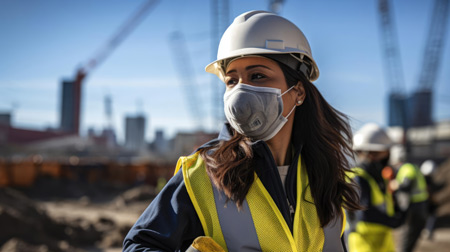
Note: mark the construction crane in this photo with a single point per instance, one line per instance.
(417, 109)
(220, 21)
(393, 67)
(275, 5)
(422, 99)
(71, 104)
(186, 76)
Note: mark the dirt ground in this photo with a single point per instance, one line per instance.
(440, 241)
(107, 222)
(123, 216)
(98, 222)
(64, 216)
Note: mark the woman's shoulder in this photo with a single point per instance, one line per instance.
(168, 223)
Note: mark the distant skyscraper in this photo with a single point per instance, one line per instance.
(70, 107)
(135, 132)
(5, 119)
(160, 144)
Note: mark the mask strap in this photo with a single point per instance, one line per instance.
(287, 91)
(294, 105)
(292, 110)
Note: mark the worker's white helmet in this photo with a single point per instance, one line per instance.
(428, 167)
(262, 32)
(371, 137)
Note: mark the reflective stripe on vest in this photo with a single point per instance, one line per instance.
(383, 201)
(259, 225)
(419, 191)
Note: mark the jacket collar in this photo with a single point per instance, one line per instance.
(225, 133)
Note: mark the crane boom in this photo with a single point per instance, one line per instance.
(119, 36)
(393, 67)
(70, 114)
(186, 76)
(435, 42)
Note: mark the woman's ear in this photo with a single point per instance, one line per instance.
(301, 94)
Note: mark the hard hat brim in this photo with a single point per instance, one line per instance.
(216, 69)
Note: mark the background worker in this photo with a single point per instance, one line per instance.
(371, 229)
(412, 187)
(429, 168)
(275, 179)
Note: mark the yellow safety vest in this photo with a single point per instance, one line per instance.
(419, 191)
(369, 236)
(272, 230)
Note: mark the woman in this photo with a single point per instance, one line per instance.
(274, 180)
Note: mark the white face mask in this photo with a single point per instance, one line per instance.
(256, 112)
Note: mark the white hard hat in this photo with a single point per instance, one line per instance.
(371, 137)
(262, 32)
(428, 167)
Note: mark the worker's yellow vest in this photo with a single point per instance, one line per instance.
(419, 191)
(369, 236)
(272, 231)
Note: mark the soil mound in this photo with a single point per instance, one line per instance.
(26, 226)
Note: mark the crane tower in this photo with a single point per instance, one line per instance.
(422, 99)
(219, 21)
(393, 66)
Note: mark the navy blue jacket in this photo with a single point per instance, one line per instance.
(170, 222)
(371, 213)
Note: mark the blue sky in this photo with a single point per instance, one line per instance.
(43, 42)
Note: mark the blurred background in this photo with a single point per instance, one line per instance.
(98, 99)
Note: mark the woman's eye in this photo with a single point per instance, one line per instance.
(231, 82)
(257, 76)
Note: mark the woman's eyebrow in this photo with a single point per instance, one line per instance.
(249, 67)
(254, 66)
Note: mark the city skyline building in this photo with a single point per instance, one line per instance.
(68, 107)
(135, 132)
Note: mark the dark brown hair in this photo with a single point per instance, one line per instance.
(326, 138)
(229, 166)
